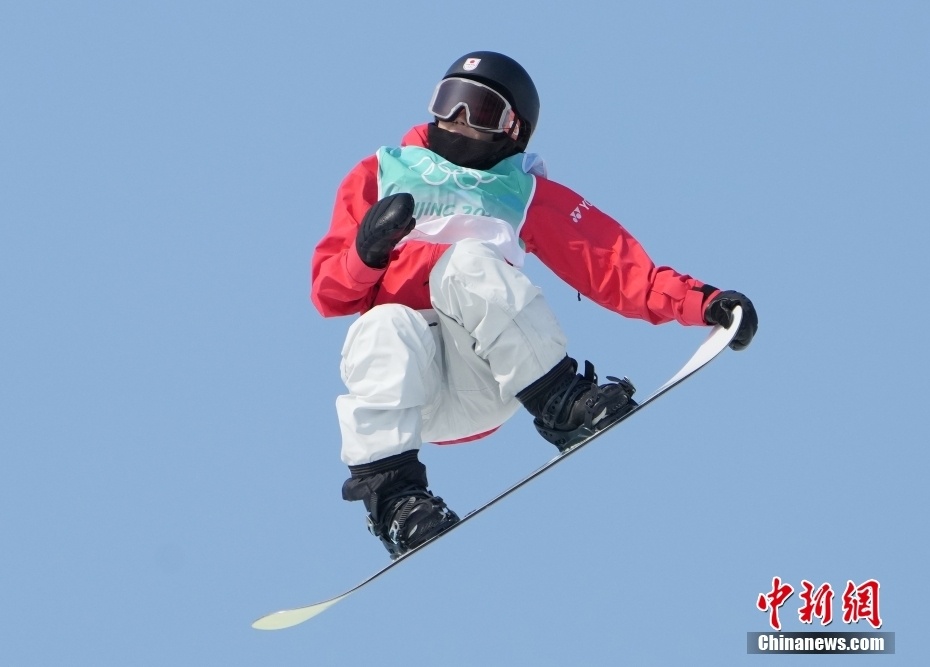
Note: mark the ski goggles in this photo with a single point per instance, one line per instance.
(485, 108)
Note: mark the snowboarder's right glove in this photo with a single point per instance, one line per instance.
(382, 228)
(720, 311)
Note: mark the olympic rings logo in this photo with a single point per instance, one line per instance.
(438, 173)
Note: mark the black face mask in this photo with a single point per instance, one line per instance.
(467, 152)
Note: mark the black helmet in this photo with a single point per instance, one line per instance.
(506, 76)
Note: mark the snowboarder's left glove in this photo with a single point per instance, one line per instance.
(720, 311)
(382, 228)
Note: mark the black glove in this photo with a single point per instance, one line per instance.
(382, 228)
(720, 311)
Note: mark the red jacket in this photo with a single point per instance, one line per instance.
(585, 247)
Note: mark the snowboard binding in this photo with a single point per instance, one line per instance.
(407, 518)
(579, 407)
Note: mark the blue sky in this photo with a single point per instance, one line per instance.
(170, 465)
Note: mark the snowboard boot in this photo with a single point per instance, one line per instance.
(569, 407)
(402, 512)
(407, 518)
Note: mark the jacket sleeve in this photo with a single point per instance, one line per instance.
(594, 254)
(340, 283)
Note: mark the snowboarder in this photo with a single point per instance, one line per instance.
(426, 243)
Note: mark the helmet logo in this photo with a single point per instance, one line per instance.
(470, 64)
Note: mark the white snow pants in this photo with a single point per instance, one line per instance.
(450, 372)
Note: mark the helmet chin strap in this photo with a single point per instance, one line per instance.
(470, 153)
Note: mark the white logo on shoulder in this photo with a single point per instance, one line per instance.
(470, 64)
(579, 210)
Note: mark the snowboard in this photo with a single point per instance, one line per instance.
(715, 343)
